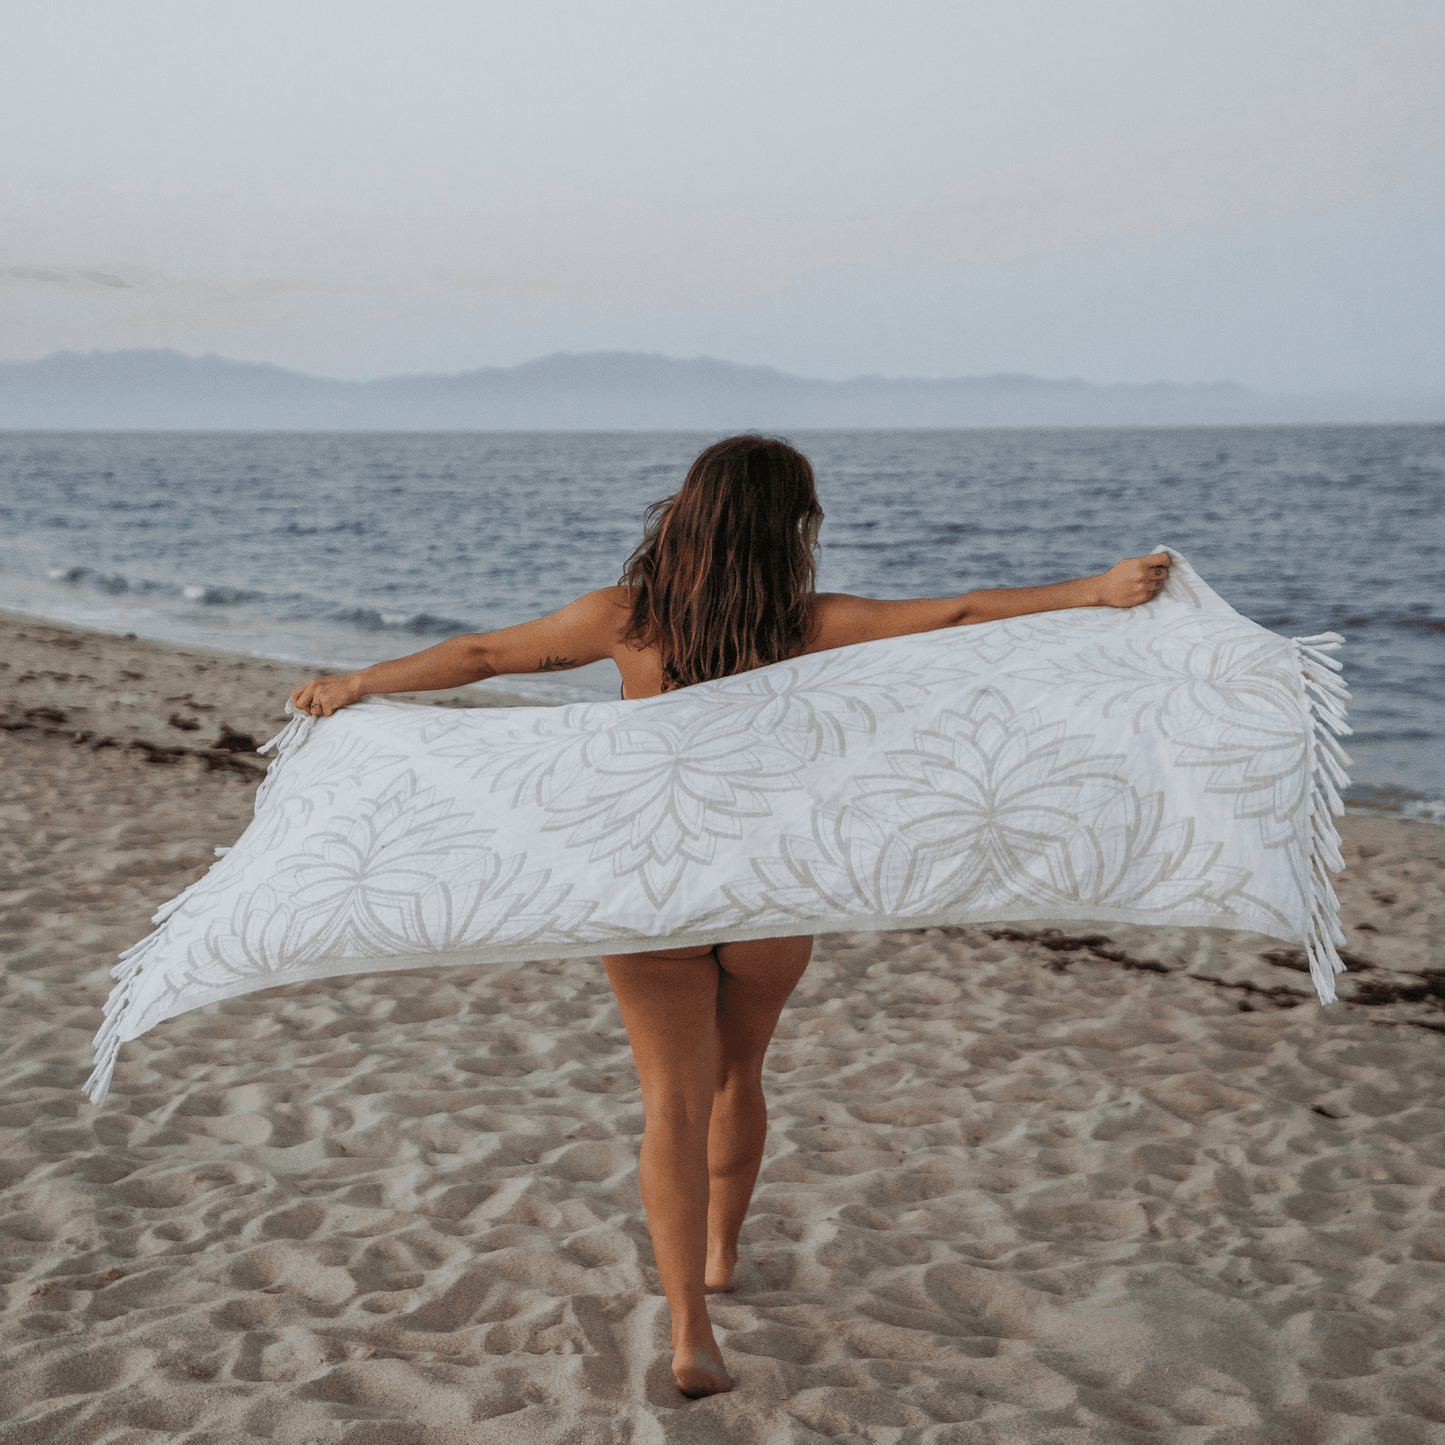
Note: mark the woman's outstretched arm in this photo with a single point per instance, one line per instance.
(584, 631)
(840, 620)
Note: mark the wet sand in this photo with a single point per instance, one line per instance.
(1111, 1185)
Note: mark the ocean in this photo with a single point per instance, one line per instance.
(341, 549)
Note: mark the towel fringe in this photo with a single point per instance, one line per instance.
(1334, 758)
(286, 742)
(1324, 694)
(133, 961)
(107, 1042)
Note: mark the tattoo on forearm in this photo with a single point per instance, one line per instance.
(556, 664)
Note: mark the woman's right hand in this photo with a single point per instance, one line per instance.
(1134, 580)
(322, 696)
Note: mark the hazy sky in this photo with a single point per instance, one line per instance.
(1121, 191)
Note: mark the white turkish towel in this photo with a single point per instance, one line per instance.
(1172, 763)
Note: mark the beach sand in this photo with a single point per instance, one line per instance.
(1120, 1185)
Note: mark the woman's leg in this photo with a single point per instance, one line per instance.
(756, 980)
(699, 1031)
(669, 1004)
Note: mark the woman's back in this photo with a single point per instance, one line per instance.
(833, 620)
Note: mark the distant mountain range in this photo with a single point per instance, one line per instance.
(615, 390)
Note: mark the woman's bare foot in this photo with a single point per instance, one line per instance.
(699, 1371)
(718, 1277)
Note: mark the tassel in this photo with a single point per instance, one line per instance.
(1324, 695)
(132, 962)
(287, 742)
(107, 1041)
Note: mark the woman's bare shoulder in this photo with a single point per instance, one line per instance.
(606, 600)
(832, 621)
(608, 607)
(607, 612)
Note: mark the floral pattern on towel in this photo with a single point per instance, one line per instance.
(1150, 766)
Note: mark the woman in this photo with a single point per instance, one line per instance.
(722, 583)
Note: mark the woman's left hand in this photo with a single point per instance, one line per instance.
(1134, 580)
(324, 695)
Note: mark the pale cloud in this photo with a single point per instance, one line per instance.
(141, 299)
(64, 276)
(1353, 128)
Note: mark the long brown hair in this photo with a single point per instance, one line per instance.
(725, 575)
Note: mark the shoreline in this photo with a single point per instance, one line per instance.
(1011, 1172)
(101, 689)
(344, 653)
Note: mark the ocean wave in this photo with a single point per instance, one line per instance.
(117, 583)
(111, 582)
(1417, 619)
(1403, 802)
(294, 607)
(1391, 735)
(419, 624)
(220, 596)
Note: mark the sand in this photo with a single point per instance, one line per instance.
(1113, 1186)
